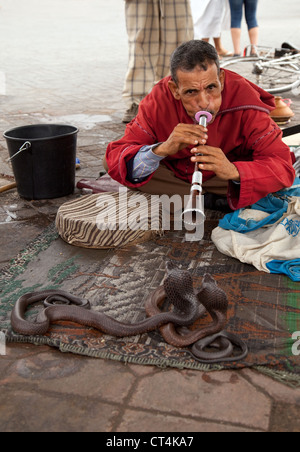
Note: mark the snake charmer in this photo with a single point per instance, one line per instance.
(243, 156)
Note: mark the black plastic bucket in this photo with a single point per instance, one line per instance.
(43, 158)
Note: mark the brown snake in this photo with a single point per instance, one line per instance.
(213, 299)
(177, 288)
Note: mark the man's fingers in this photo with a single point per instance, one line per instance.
(193, 128)
(205, 159)
(207, 167)
(207, 151)
(198, 132)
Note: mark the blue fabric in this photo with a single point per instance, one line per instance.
(275, 206)
(289, 268)
(143, 164)
(236, 7)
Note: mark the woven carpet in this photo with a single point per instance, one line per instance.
(264, 310)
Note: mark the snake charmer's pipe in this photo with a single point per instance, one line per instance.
(193, 214)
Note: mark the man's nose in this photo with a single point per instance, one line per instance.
(203, 101)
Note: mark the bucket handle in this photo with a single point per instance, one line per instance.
(24, 147)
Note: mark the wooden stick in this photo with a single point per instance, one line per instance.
(8, 187)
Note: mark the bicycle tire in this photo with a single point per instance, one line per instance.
(238, 61)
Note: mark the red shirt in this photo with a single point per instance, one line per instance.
(243, 129)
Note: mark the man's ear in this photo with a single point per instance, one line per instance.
(222, 78)
(174, 89)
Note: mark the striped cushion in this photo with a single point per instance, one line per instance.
(109, 220)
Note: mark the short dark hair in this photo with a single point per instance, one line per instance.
(192, 54)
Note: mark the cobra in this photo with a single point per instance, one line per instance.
(188, 307)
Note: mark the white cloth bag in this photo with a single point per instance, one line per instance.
(279, 241)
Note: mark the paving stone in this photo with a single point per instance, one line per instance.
(24, 410)
(161, 423)
(275, 389)
(69, 374)
(285, 418)
(217, 396)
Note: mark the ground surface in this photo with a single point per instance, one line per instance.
(65, 62)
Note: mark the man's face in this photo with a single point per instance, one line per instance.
(199, 90)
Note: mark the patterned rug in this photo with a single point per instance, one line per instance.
(264, 310)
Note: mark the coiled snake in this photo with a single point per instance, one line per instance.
(188, 307)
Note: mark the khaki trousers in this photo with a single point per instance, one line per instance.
(155, 29)
(164, 182)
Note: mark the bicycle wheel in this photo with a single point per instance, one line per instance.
(273, 75)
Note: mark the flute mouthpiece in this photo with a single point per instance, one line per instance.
(203, 117)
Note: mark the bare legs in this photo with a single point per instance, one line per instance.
(219, 47)
(236, 39)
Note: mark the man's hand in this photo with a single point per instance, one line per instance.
(183, 135)
(214, 159)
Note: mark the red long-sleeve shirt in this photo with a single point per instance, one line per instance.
(243, 129)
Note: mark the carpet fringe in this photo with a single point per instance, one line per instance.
(161, 363)
(287, 378)
(65, 348)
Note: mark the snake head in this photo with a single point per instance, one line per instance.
(212, 296)
(178, 279)
(179, 288)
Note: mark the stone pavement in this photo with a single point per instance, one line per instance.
(65, 62)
